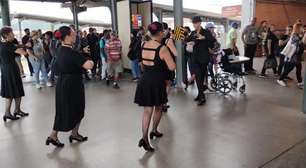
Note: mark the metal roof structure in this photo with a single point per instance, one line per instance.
(50, 19)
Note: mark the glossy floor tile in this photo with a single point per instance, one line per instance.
(236, 131)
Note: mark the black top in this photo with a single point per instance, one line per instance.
(274, 42)
(284, 38)
(69, 61)
(151, 89)
(201, 48)
(7, 53)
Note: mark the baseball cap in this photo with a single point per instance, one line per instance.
(210, 25)
(196, 19)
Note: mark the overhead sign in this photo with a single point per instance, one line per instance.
(231, 11)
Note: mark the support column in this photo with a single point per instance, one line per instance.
(75, 15)
(248, 12)
(159, 14)
(20, 27)
(5, 12)
(178, 21)
(113, 9)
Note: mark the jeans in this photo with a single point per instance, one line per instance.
(187, 64)
(103, 68)
(135, 69)
(249, 51)
(288, 67)
(39, 66)
(281, 64)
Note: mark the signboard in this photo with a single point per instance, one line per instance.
(179, 33)
(231, 11)
(136, 21)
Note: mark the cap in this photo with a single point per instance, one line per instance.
(210, 25)
(235, 25)
(196, 19)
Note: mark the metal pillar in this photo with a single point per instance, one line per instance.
(5, 12)
(75, 14)
(20, 28)
(178, 21)
(113, 9)
(159, 14)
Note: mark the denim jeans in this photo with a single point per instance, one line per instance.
(39, 66)
(135, 69)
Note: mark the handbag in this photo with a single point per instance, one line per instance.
(270, 62)
(189, 47)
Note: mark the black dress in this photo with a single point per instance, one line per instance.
(11, 83)
(151, 89)
(70, 97)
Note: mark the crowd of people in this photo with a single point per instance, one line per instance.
(66, 57)
(283, 51)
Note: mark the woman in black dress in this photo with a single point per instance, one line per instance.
(70, 97)
(11, 83)
(151, 90)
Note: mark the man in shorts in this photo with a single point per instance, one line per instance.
(114, 52)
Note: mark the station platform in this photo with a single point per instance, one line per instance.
(262, 129)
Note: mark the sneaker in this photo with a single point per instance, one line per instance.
(38, 86)
(262, 76)
(300, 85)
(116, 86)
(135, 79)
(281, 83)
(49, 84)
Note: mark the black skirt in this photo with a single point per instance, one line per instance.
(11, 82)
(70, 102)
(151, 92)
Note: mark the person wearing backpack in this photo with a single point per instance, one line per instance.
(135, 53)
(102, 43)
(36, 53)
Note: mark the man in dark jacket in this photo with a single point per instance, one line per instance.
(202, 50)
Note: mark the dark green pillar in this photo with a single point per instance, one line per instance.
(5, 12)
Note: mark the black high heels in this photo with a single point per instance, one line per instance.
(146, 145)
(21, 114)
(78, 138)
(10, 117)
(56, 143)
(155, 134)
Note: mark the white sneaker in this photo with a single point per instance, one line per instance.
(49, 84)
(300, 84)
(281, 83)
(38, 86)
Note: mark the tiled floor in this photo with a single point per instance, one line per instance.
(236, 131)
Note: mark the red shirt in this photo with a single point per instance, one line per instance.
(114, 48)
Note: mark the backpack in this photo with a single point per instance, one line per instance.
(38, 49)
(135, 49)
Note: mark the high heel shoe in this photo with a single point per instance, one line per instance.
(155, 134)
(79, 138)
(10, 117)
(21, 114)
(56, 143)
(146, 145)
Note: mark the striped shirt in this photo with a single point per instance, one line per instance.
(114, 48)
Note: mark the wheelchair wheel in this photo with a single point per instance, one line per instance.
(225, 86)
(242, 89)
